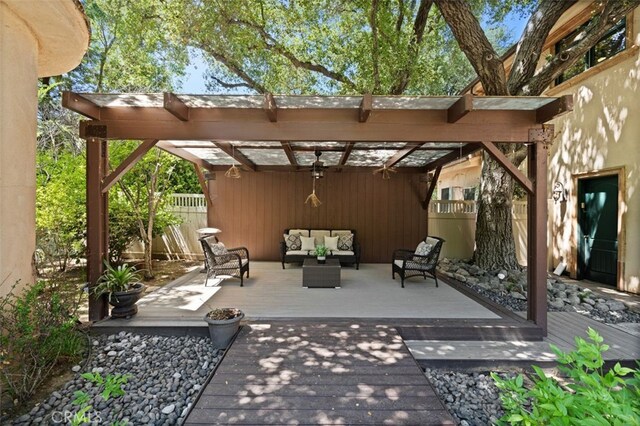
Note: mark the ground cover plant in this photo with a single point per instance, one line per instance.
(38, 331)
(591, 396)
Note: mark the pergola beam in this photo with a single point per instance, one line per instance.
(322, 148)
(460, 108)
(185, 155)
(286, 168)
(289, 151)
(270, 107)
(175, 106)
(127, 164)
(228, 149)
(432, 186)
(554, 109)
(294, 131)
(81, 105)
(509, 167)
(203, 184)
(366, 105)
(346, 153)
(402, 154)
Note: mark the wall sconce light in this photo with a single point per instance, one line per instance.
(559, 194)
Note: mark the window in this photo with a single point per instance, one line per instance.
(470, 193)
(444, 194)
(612, 42)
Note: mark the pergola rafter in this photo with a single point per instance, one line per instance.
(413, 134)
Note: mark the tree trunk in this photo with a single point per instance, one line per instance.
(495, 245)
(148, 260)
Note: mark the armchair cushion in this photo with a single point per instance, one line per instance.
(219, 249)
(422, 251)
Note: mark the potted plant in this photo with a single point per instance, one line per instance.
(223, 325)
(321, 253)
(122, 287)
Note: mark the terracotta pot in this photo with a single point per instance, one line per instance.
(124, 302)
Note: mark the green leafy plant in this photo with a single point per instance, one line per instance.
(116, 279)
(38, 330)
(321, 250)
(591, 396)
(112, 383)
(112, 388)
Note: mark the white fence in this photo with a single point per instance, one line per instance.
(455, 221)
(179, 241)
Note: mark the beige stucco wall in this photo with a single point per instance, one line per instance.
(461, 175)
(37, 38)
(601, 134)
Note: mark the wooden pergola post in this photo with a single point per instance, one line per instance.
(97, 222)
(537, 227)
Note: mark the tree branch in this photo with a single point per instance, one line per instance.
(271, 44)
(228, 85)
(235, 68)
(419, 25)
(375, 48)
(613, 11)
(475, 45)
(532, 41)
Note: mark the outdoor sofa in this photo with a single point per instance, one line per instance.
(347, 252)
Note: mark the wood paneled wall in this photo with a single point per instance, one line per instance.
(253, 211)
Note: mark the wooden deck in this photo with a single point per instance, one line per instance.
(563, 327)
(312, 373)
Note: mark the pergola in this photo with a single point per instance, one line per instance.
(355, 133)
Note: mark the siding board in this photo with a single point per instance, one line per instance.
(254, 210)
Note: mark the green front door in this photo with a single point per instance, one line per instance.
(598, 229)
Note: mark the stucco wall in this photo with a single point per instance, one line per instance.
(602, 133)
(37, 38)
(18, 77)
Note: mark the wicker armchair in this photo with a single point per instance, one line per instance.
(408, 264)
(234, 262)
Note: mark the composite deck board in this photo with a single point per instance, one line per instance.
(563, 327)
(321, 374)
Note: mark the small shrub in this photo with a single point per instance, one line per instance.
(37, 330)
(592, 397)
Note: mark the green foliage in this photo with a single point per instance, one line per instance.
(112, 383)
(112, 388)
(37, 330)
(115, 279)
(60, 207)
(592, 397)
(321, 250)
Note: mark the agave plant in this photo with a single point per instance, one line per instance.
(116, 279)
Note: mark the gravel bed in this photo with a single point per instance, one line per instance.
(472, 398)
(508, 289)
(166, 374)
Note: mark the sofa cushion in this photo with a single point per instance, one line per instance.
(340, 232)
(303, 232)
(319, 235)
(297, 252)
(308, 243)
(331, 242)
(293, 241)
(342, 253)
(345, 242)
